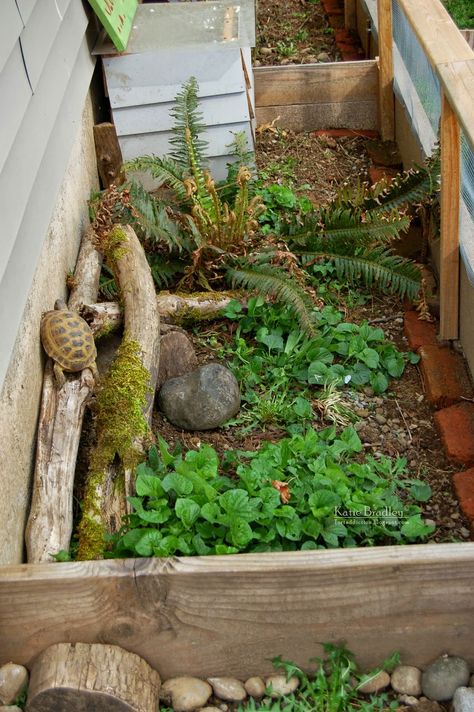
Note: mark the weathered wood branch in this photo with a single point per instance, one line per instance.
(49, 525)
(82, 676)
(107, 316)
(120, 434)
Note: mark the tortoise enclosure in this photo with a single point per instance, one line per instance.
(230, 615)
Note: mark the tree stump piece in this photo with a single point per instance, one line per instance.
(79, 677)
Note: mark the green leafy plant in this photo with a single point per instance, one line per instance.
(286, 49)
(332, 687)
(462, 12)
(301, 493)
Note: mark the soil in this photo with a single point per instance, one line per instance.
(293, 32)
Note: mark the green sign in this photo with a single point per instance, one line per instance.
(116, 17)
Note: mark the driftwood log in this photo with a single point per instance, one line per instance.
(106, 492)
(107, 316)
(104, 678)
(49, 525)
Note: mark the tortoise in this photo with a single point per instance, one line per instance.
(69, 341)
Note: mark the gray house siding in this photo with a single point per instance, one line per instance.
(43, 84)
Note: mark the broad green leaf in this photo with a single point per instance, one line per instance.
(177, 483)
(379, 382)
(370, 357)
(147, 542)
(149, 485)
(240, 532)
(415, 528)
(187, 510)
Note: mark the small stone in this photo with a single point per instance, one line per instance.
(186, 694)
(362, 412)
(379, 682)
(209, 708)
(430, 522)
(408, 700)
(380, 419)
(406, 679)
(255, 686)
(177, 356)
(10, 708)
(266, 50)
(281, 686)
(441, 679)
(465, 533)
(323, 57)
(202, 399)
(463, 700)
(228, 688)
(285, 60)
(13, 680)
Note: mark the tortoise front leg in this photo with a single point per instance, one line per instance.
(59, 374)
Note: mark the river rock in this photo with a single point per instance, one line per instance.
(376, 683)
(228, 688)
(463, 700)
(202, 399)
(13, 679)
(10, 708)
(281, 686)
(186, 694)
(255, 686)
(177, 356)
(406, 679)
(441, 679)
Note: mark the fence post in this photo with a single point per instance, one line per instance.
(350, 14)
(386, 99)
(450, 206)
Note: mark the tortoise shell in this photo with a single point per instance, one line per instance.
(68, 339)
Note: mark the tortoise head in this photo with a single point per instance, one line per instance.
(60, 304)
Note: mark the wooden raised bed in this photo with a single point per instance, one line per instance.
(229, 615)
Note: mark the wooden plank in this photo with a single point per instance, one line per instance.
(215, 110)
(21, 167)
(350, 14)
(469, 37)
(228, 615)
(306, 84)
(38, 37)
(10, 27)
(156, 77)
(32, 213)
(356, 115)
(457, 79)
(436, 31)
(16, 93)
(117, 17)
(109, 155)
(450, 207)
(386, 97)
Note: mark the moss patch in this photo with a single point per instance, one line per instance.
(120, 423)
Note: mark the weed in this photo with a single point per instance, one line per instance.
(286, 49)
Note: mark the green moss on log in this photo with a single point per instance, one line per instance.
(120, 424)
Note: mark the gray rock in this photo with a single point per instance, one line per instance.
(280, 685)
(323, 57)
(13, 679)
(441, 679)
(202, 399)
(409, 700)
(406, 679)
(376, 683)
(186, 694)
(381, 419)
(228, 688)
(177, 356)
(255, 686)
(463, 700)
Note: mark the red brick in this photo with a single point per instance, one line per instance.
(456, 427)
(464, 486)
(445, 376)
(378, 173)
(418, 332)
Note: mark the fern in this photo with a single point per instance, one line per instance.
(165, 170)
(153, 221)
(270, 280)
(188, 125)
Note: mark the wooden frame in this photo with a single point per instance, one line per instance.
(318, 96)
(386, 97)
(229, 615)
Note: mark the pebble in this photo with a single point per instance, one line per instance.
(255, 687)
(430, 522)
(379, 682)
(425, 705)
(13, 679)
(380, 419)
(463, 700)
(441, 679)
(10, 708)
(228, 688)
(266, 50)
(406, 679)
(185, 693)
(408, 700)
(285, 60)
(323, 57)
(465, 532)
(281, 686)
(362, 412)
(369, 391)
